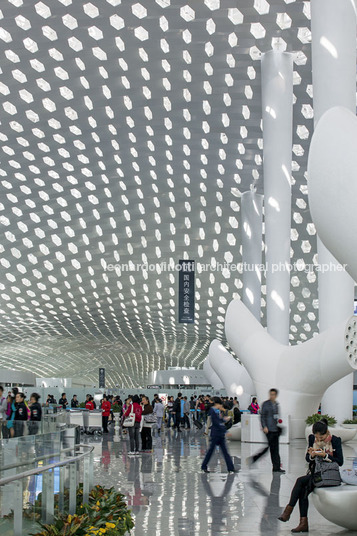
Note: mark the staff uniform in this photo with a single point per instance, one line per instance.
(36, 416)
(218, 438)
(106, 407)
(21, 415)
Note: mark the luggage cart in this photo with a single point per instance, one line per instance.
(76, 417)
(94, 422)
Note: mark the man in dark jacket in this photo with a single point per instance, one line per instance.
(176, 411)
(237, 415)
(74, 402)
(21, 414)
(218, 436)
(270, 419)
(63, 401)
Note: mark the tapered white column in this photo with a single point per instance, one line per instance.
(233, 375)
(333, 24)
(252, 235)
(211, 375)
(277, 104)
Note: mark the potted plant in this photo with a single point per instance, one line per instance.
(340, 431)
(106, 513)
(117, 409)
(350, 423)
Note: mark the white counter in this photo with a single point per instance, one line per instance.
(252, 431)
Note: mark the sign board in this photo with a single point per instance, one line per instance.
(164, 397)
(186, 304)
(157, 387)
(101, 378)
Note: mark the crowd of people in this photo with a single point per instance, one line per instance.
(15, 411)
(182, 412)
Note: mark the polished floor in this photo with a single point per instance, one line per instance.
(169, 495)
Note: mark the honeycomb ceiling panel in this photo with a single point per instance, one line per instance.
(128, 132)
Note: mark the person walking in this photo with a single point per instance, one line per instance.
(146, 437)
(170, 415)
(106, 409)
(270, 419)
(133, 405)
(176, 410)
(218, 436)
(159, 412)
(186, 413)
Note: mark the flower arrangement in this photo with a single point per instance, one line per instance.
(316, 417)
(106, 514)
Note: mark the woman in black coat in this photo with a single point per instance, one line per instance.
(321, 444)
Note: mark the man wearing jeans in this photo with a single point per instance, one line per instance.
(269, 418)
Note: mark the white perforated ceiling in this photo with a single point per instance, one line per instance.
(128, 131)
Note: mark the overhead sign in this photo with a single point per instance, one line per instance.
(186, 304)
(157, 387)
(101, 378)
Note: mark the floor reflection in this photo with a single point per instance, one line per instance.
(170, 496)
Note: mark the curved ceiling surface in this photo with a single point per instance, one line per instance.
(128, 132)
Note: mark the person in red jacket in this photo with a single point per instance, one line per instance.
(134, 406)
(106, 408)
(89, 403)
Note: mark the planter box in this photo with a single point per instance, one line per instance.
(343, 432)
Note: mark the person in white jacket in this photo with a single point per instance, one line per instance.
(3, 404)
(159, 412)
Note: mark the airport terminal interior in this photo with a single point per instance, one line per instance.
(178, 311)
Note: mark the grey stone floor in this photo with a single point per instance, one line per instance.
(169, 495)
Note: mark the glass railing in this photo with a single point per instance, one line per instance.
(39, 477)
(20, 452)
(50, 423)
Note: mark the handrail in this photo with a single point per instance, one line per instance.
(40, 470)
(34, 460)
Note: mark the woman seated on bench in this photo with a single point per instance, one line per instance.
(324, 455)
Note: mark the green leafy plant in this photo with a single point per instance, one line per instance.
(316, 417)
(82, 404)
(65, 525)
(105, 514)
(116, 408)
(350, 421)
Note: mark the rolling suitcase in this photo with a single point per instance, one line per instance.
(198, 424)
